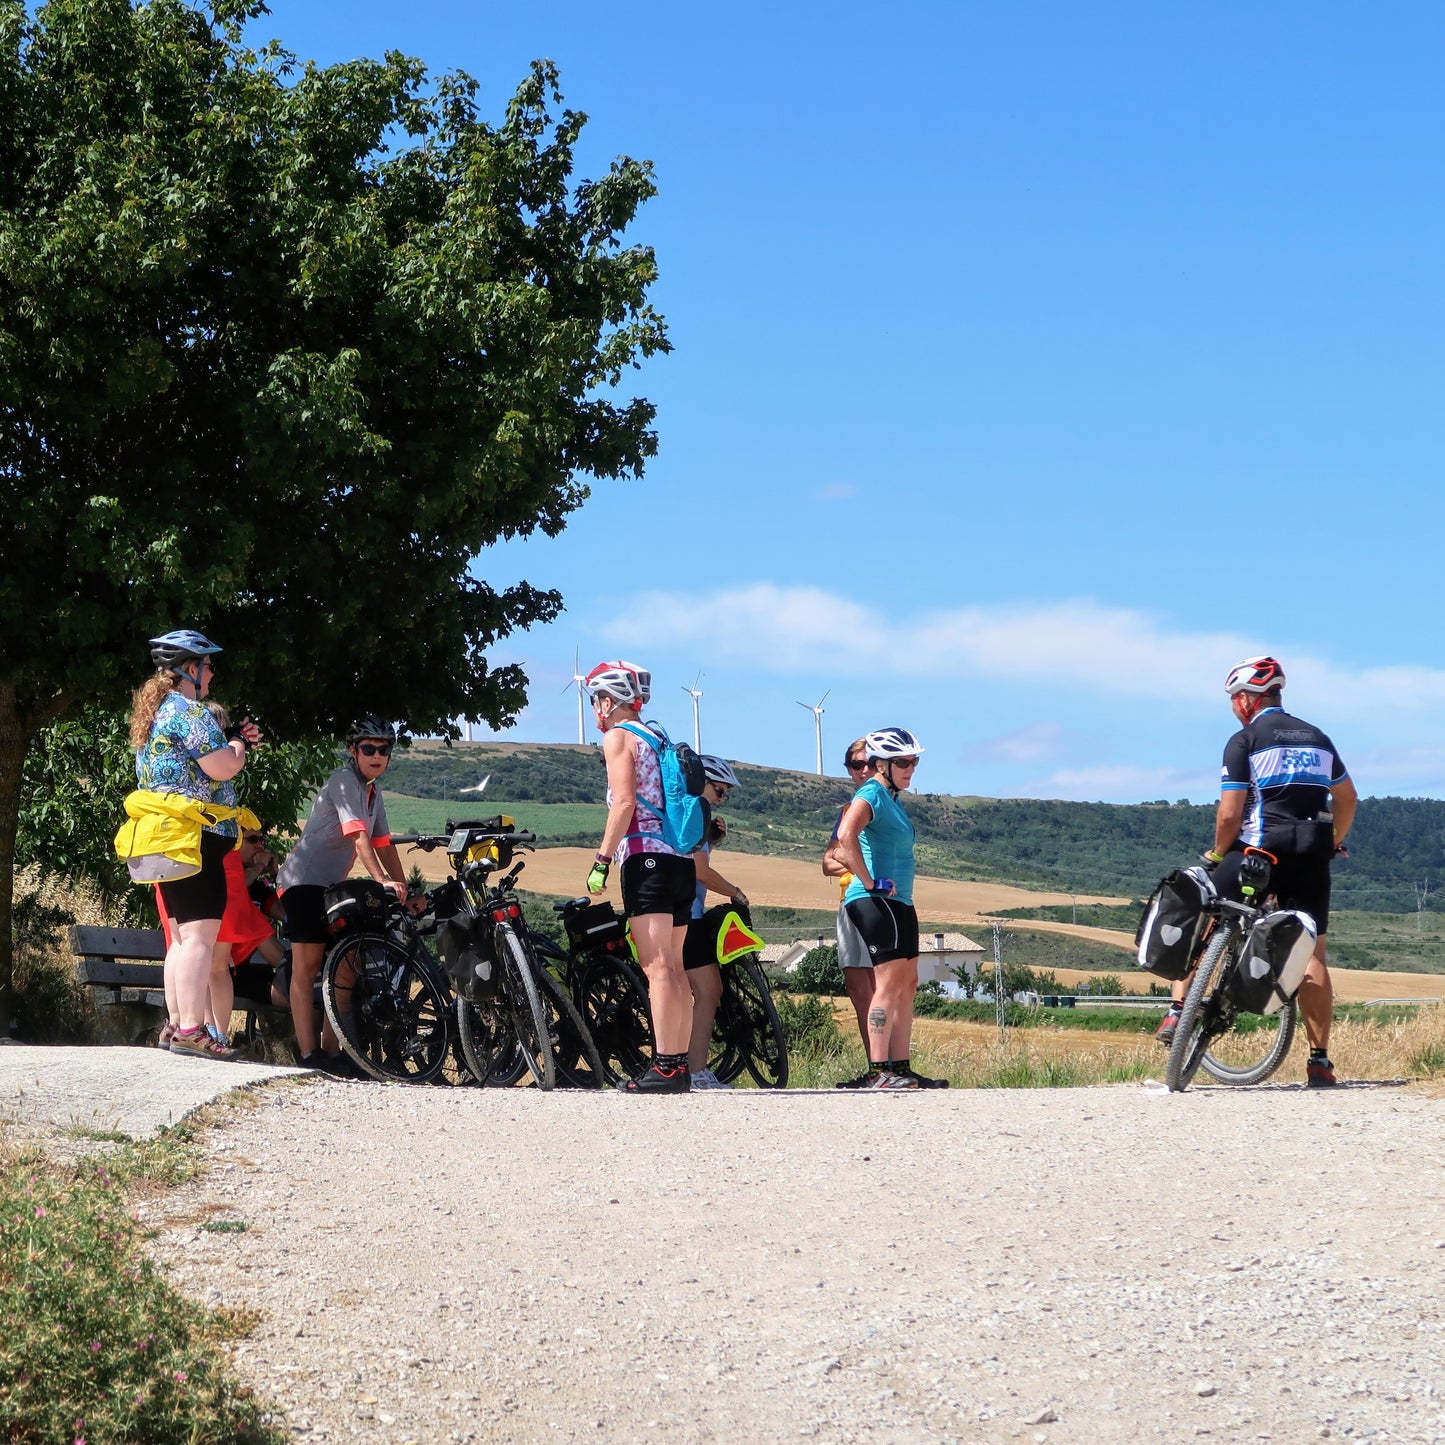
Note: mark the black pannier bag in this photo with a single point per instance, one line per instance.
(356, 905)
(1173, 922)
(467, 957)
(1271, 962)
(598, 925)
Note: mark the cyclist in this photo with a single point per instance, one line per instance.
(181, 750)
(658, 885)
(699, 952)
(853, 957)
(1283, 788)
(347, 824)
(875, 840)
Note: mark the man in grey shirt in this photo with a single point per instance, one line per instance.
(347, 824)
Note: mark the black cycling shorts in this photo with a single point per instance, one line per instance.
(203, 894)
(305, 905)
(887, 926)
(1298, 882)
(659, 883)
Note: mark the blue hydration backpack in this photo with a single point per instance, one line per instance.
(683, 780)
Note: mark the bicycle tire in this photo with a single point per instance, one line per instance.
(762, 1044)
(486, 1040)
(1197, 1028)
(394, 1024)
(522, 994)
(579, 1066)
(1282, 1039)
(612, 996)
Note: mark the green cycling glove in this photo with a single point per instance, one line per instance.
(597, 878)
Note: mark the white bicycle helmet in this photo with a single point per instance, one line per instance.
(889, 743)
(718, 771)
(1254, 674)
(623, 682)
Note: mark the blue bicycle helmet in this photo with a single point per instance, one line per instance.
(172, 650)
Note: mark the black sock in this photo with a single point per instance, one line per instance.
(878, 1068)
(1319, 1053)
(670, 1063)
(898, 1066)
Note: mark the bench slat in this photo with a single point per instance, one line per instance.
(135, 943)
(119, 975)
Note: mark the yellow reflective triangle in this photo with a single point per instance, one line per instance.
(735, 939)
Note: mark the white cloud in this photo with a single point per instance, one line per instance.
(1037, 743)
(1123, 782)
(1079, 644)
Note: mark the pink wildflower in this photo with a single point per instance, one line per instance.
(40, 1211)
(180, 1377)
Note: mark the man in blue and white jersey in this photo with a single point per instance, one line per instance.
(1283, 788)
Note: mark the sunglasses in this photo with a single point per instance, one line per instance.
(904, 762)
(857, 765)
(722, 789)
(373, 750)
(253, 838)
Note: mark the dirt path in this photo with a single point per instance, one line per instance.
(1077, 1265)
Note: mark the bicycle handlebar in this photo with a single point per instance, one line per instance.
(428, 841)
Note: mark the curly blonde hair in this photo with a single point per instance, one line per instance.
(144, 704)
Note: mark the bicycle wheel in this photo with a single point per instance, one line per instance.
(579, 1065)
(485, 1037)
(1199, 1021)
(388, 1011)
(759, 1031)
(1256, 1073)
(612, 996)
(521, 993)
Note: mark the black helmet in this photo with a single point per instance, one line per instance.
(173, 650)
(370, 727)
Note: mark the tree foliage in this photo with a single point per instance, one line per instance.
(282, 348)
(82, 765)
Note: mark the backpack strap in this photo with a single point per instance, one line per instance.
(638, 730)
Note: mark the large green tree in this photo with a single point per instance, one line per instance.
(282, 347)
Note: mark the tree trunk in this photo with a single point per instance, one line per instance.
(14, 741)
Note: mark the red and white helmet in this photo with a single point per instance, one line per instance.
(623, 682)
(1254, 674)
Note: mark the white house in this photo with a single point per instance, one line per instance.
(940, 956)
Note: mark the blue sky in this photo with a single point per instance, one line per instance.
(1034, 363)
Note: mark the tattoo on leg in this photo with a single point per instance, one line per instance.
(877, 1017)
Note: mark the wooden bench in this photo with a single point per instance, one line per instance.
(126, 962)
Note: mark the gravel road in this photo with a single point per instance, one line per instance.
(1075, 1265)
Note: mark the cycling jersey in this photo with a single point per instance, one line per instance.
(699, 903)
(347, 807)
(887, 843)
(182, 733)
(1288, 767)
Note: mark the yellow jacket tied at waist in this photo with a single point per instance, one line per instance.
(160, 841)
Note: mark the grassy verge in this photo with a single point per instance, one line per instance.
(97, 1346)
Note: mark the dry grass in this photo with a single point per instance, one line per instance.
(971, 1056)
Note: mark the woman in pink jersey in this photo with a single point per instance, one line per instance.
(657, 884)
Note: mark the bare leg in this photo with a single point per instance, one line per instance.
(305, 965)
(659, 952)
(1317, 998)
(188, 963)
(859, 983)
(890, 1016)
(706, 985)
(223, 987)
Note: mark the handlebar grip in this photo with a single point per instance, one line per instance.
(407, 838)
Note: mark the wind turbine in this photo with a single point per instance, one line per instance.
(577, 680)
(817, 710)
(694, 693)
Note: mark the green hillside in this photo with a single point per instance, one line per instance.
(1078, 847)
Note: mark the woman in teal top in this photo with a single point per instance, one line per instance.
(875, 839)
